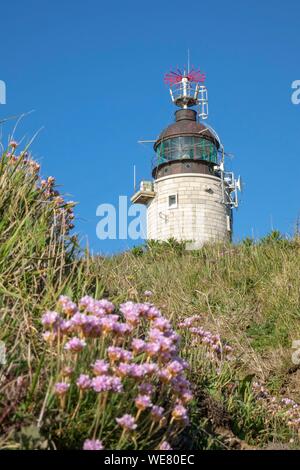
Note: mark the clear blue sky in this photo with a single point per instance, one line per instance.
(93, 73)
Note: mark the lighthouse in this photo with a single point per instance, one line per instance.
(191, 196)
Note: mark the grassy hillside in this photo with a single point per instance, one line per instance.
(243, 300)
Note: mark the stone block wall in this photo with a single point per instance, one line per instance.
(199, 217)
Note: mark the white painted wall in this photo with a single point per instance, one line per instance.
(199, 217)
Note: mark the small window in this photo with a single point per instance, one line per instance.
(172, 201)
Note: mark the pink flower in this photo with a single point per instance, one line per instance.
(148, 293)
(165, 446)
(86, 303)
(131, 312)
(187, 322)
(124, 369)
(66, 327)
(157, 412)
(162, 324)
(152, 348)
(83, 382)
(50, 319)
(186, 396)
(116, 384)
(180, 413)
(79, 319)
(13, 144)
(66, 304)
(119, 354)
(75, 345)
(49, 336)
(106, 305)
(107, 324)
(105, 383)
(51, 180)
(92, 326)
(165, 375)
(122, 328)
(175, 367)
(146, 389)
(92, 444)
(138, 345)
(137, 371)
(100, 367)
(142, 402)
(101, 383)
(67, 371)
(153, 312)
(61, 388)
(150, 368)
(127, 422)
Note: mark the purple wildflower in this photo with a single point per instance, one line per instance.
(75, 345)
(50, 319)
(65, 302)
(79, 319)
(138, 345)
(49, 336)
(152, 348)
(162, 324)
(148, 293)
(190, 321)
(83, 382)
(105, 383)
(92, 444)
(165, 446)
(101, 383)
(127, 422)
(100, 367)
(180, 413)
(131, 312)
(122, 328)
(66, 326)
(146, 389)
(142, 402)
(67, 371)
(119, 354)
(61, 388)
(157, 412)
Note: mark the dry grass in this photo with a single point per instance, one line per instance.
(249, 294)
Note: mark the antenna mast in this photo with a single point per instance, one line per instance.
(187, 89)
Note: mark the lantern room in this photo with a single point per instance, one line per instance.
(185, 144)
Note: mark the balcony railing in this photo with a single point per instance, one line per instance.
(144, 194)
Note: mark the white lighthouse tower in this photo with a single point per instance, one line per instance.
(191, 195)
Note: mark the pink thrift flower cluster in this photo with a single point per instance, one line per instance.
(286, 408)
(165, 446)
(127, 422)
(140, 359)
(92, 444)
(213, 344)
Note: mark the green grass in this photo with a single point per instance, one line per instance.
(248, 293)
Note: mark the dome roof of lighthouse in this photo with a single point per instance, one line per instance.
(186, 125)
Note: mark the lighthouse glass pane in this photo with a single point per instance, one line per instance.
(186, 147)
